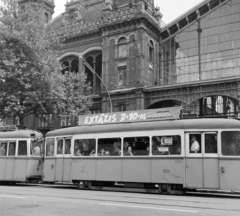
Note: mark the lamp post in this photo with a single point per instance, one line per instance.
(94, 72)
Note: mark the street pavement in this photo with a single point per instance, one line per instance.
(45, 200)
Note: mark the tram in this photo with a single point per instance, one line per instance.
(21, 154)
(159, 153)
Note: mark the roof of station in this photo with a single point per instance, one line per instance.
(200, 10)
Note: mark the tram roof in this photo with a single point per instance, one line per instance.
(153, 125)
(19, 134)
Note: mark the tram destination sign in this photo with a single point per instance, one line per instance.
(170, 113)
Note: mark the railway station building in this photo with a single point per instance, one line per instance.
(133, 61)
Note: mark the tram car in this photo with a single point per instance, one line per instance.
(21, 154)
(169, 156)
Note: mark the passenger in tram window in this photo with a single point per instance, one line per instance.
(129, 151)
(107, 153)
(36, 149)
(3, 150)
(78, 152)
(117, 148)
(84, 147)
(77, 149)
(12, 148)
(145, 143)
(59, 148)
(102, 152)
(67, 147)
(92, 153)
(51, 150)
(159, 145)
(176, 147)
(195, 146)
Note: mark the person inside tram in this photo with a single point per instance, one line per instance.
(102, 152)
(92, 153)
(129, 151)
(77, 152)
(159, 147)
(195, 146)
(3, 151)
(67, 148)
(51, 150)
(36, 149)
(59, 148)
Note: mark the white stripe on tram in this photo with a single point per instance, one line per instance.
(148, 207)
(16, 197)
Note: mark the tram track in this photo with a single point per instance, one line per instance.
(132, 200)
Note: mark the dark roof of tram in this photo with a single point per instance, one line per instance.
(154, 125)
(19, 134)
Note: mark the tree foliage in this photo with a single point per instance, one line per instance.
(31, 81)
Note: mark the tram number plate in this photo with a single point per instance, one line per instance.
(166, 170)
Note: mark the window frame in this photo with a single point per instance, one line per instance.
(122, 48)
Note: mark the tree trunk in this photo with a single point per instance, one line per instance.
(21, 118)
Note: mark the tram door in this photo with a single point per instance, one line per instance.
(49, 161)
(59, 161)
(67, 161)
(202, 164)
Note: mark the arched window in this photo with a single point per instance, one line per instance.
(65, 67)
(151, 51)
(72, 15)
(74, 65)
(122, 47)
(46, 18)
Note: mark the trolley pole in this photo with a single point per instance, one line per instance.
(94, 72)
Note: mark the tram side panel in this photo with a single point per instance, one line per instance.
(109, 169)
(9, 174)
(2, 168)
(168, 170)
(136, 170)
(84, 169)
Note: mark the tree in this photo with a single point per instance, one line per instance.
(31, 81)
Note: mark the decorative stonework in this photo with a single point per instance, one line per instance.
(68, 54)
(94, 48)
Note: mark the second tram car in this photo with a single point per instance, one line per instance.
(21, 154)
(164, 156)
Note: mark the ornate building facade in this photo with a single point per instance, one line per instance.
(132, 62)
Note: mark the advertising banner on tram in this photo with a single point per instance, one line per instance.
(170, 113)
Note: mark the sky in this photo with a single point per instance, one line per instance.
(171, 9)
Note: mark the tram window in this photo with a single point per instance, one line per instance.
(195, 143)
(136, 146)
(36, 147)
(22, 148)
(50, 147)
(84, 147)
(59, 146)
(166, 145)
(3, 148)
(230, 143)
(109, 147)
(67, 146)
(211, 143)
(12, 149)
